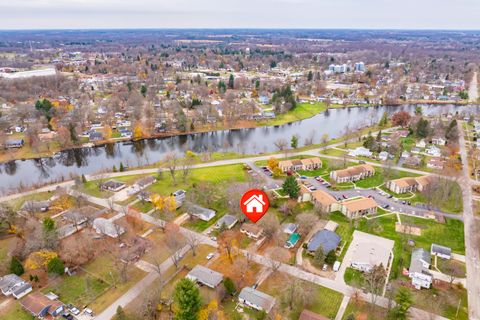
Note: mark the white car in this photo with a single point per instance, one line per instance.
(210, 256)
(213, 238)
(325, 267)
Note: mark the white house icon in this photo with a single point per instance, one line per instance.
(255, 204)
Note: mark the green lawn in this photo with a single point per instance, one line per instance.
(143, 206)
(344, 230)
(79, 290)
(15, 312)
(450, 234)
(91, 188)
(324, 301)
(354, 278)
(300, 112)
(165, 185)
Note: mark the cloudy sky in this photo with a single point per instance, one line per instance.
(376, 14)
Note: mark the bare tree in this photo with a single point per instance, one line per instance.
(375, 281)
(193, 242)
(171, 162)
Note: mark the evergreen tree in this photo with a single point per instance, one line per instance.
(319, 257)
(48, 224)
(84, 179)
(143, 90)
(404, 301)
(384, 120)
(187, 299)
(423, 128)
(56, 266)
(122, 168)
(310, 75)
(331, 257)
(294, 141)
(16, 266)
(229, 286)
(291, 187)
(120, 314)
(231, 82)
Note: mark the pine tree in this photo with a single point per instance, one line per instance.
(291, 187)
(122, 168)
(231, 82)
(187, 299)
(294, 141)
(229, 286)
(16, 266)
(84, 179)
(56, 266)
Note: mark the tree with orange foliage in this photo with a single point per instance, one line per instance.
(138, 131)
(107, 132)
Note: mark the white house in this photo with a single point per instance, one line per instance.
(255, 204)
(360, 152)
(418, 271)
(256, 299)
(434, 151)
(383, 156)
(439, 141)
(421, 144)
(441, 251)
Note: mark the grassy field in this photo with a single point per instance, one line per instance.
(300, 112)
(165, 185)
(15, 312)
(324, 301)
(364, 310)
(91, 188)
(354, 278)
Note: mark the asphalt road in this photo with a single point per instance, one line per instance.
(471, 236)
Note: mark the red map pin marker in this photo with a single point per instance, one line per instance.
(254, 204)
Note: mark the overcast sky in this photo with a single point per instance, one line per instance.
(376, 14)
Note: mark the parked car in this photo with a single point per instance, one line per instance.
(73, 309)
(344, 196)
(386, 206)
(213, 238)
(67, 316)
(325, 267)
(210, 256)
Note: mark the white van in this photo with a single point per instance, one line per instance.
(336, 266)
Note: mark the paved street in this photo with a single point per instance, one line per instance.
(471, 236)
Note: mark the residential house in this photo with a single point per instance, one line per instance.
(412, 161)
(357, 207)
(179, 196)
(423, 182)
(290, 228)
(252, 230)
(441, 251)
(405, 154)
(434, 151)
(418, 271)
(35, 206)
(408, 184)
(145, 182)
(309, 315)
(227, 220)
(107, 227)
(113, 185)
(352, 174)
(39, 305)
(383, 156)
(300, 164)
(439, 141)
(13, 285)
(436, 163)
(324, 201)
(205, 276)
(326, 239)
(256, 299)
(18, 143)
(369, 251)
(360, 152)
(421, 144)
(201, 213)
(95, 136)
(144, 196)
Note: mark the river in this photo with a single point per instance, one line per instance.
(249, 141)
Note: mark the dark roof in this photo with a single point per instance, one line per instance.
(258, 298)
(436, 248)
(309, 315)
(205, 275)
(329, 241)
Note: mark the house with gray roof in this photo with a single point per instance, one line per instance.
(256, 299)
(201, 213)
(205, 276)
(107, 227)
(418, 271)
(290, 228)
(441, 251)
(35, 206)
(228, 220)
(13, 285)
(327, 239)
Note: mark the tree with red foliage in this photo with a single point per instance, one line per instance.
(401, 118)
